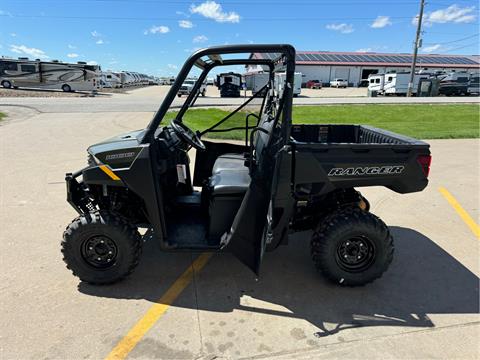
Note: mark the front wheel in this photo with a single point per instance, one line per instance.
(352, 247)
(101, 248)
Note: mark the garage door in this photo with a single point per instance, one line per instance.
(342, 73)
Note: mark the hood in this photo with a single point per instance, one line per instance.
(119, 151)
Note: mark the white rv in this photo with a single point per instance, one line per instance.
(376, 83)
(111, 79)
(49, 75)
(297, 83)
(397, 84)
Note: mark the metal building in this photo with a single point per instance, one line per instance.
(356, 66)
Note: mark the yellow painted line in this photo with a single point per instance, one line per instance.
(467, 219)
(128, 343)
(109, 172)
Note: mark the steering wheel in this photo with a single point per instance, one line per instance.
(187, 135)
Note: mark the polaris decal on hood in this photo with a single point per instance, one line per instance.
(368, 170)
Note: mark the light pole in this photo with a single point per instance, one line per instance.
(416, 45)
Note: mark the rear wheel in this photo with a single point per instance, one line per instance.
(352, 247)
(101, 248)
(6, 84)
(66, 88)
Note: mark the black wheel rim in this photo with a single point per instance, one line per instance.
(355, 254)
(99, 252)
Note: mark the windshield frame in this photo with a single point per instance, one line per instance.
(286, 59)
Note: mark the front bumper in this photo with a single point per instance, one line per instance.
(77, 195)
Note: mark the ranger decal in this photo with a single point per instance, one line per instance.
(368, 170)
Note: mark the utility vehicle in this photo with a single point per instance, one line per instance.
(244, 198)
(188, 86)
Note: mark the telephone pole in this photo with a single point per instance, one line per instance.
(416, 45)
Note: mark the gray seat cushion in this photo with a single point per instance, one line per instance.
(230, 176)
(229, 162)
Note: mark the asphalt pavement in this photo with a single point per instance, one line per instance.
(425, 306)
(149, 99)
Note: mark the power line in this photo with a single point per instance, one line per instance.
(461, 47)
(199, 19)
(453, 41)
(315, 3)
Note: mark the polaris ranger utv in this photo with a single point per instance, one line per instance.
(243, 198)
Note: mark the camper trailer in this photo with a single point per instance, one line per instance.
(376, 82)
(474, 84)
(297, 83)
(49, 75)
(397, 83)
(454, 83)
(229, 84)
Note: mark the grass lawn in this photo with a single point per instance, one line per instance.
(2, 116)
(419, 121)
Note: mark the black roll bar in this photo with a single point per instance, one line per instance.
(286, 51)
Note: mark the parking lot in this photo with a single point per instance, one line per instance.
(426, 305)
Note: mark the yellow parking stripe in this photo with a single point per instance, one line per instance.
(128, 343)
(467, 219)
(109, 172)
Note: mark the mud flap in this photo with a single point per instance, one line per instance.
(246, 238)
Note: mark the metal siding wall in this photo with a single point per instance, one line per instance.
(317, 72)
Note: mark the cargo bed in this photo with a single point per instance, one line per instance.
(327, 157)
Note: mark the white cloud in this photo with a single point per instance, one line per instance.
(200, 39)
(431, 48)
(381, 22)
(212, 10)
(71, 46)
(172, 66)
(343, 28)
(22, 49)
(72, 55)
(452, 14)
(182, 13)
(5, 13)
(95, 33)
(13, 35)
(99, 42)
(157, 30)
(92, 63)
(364, 50)
(186, 24)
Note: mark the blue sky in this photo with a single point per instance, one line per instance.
(155, 37)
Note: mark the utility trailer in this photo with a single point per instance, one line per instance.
(257, 81)
(284, 178)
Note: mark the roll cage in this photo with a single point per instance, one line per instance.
(209, 58)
